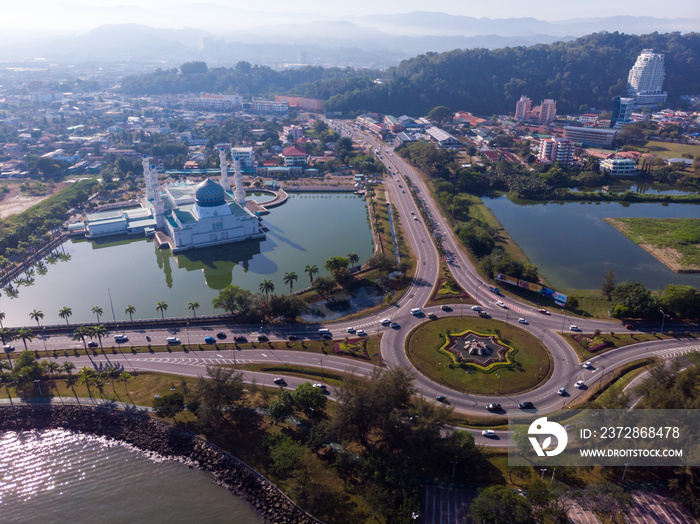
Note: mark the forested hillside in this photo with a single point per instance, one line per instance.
(585, 72)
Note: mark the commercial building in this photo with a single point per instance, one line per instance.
(622, 111)
(312, 105)
(294, 156)
(556, 150)
(210, 102)
(618, 166)
(269, 106)
(522, 107)
(646, 78)
(589, 136)
(246, 155)
(442, 137)
(548, 111)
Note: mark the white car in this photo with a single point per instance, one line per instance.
(522, 321)
(476, 308)
(488, 433)
(500, 303)
(562, 391)
(385, 321)
(587, 365)
(319, 385)
(574, 328)
(361, 333)
(579, 384)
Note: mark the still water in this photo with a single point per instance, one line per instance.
(59, 476)
(307, 230)
(572, 245)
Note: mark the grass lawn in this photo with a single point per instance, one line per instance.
(673, 241)
(448, 291)
(670, 149)
(533, 363)
(617, 340)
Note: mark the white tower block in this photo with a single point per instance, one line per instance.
(147, 177)
(240, 192)
(158, 205)
(224, 170)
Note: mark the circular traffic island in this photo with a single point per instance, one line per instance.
(479, 356)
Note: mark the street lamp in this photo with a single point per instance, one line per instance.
(662, 320)
(625, 472)
(542, 470)
(38, 383)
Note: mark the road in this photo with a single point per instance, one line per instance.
(567, 369)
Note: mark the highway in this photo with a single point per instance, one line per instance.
(567, 369)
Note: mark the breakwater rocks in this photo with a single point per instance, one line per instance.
(155, 436)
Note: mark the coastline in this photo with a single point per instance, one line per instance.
(151, 435)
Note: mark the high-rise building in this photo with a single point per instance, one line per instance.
(646, 78)
(556, 150)
(622, 111)
(522, 107)
(548, 111)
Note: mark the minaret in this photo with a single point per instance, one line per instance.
(224, 170)
(240, 192)
(158, 205)
(147, 176)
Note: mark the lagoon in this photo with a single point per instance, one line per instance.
(572, 245)
(115, 272)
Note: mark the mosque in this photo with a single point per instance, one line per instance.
(185, 216)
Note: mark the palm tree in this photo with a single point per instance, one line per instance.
(2, 317)
(125, 377)
(267, 287)
(311, 270)
(99, 332)
(65, 313)
(68, 367)
(130, 310)
(25, 334)
(353, 258)
(378, 229)
(53, 367)
(86, 376)
(162, 307)
(7, 335)
(81, 333)
(36, 315)
(193, 306)
(289, 278)
(97, 310)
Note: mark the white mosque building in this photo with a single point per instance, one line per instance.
(204, 215)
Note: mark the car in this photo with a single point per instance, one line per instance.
(526, 405)
(440, 398)
(221, 335)
(587, 365)
(416, 311)
(445, 307)
(8, 347)
(412, 213)
(494, 407)
(262, 338)
(415, 218)
(629, 326)
(361, 333)
(240, 338)
(476, 308)
(326, 336)
(448, 260)
(432, 316)
(351, 330)
(574, 328)
(562, 391)
(93, 344)
(209, 340)
(394, 325)
(484, 314)
(488, 433)
(522, 321)
(385, 321)
(121, 338)
(279, 380)
(173, 341)
(319, 385)
(500, 303)
(544, 311)
(292, 337)
(579, 384)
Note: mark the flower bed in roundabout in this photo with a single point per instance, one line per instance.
(479, 356)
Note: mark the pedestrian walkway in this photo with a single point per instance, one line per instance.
(112, 404)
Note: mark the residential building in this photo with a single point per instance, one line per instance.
(246, 155)
(588, 118)
(522, 107)
(618, 166)
(556, 150)
(294, 156)
(292, 133)
(312, 105)
(590, 136)
(646, 78)
(622, 111)
(208, 102)
(269, 106)
(548, 111)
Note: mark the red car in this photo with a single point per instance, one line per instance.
(544, 311)
(629, 326)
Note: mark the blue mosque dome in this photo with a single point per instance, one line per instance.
(209, 194)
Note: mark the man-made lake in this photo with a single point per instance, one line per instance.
(307, 230)
(61, 476)
(572, 245)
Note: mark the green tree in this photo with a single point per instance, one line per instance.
(26, 370)
(193, 306)
(285, 452)
(87, 376)
(267, 287)
(162, 307)
(25, 334)
(281, 408)
(308, 399)
(130, 310)
(81, 333)
(2, 317)
(608, 284)
(125, 377)
(37, 316)
(98, 311)
(217, 393)
(353, 258)
(6, 335)
(311, 270)
(440, 114)
(336, 263)
(99, 331)
(500, 505)
(324, 285)
(682, 301)
(65, 313)
(167, 406)
(289, 278)
(638, 300)
(232, 298)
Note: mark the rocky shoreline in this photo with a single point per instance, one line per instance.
(152, 435)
